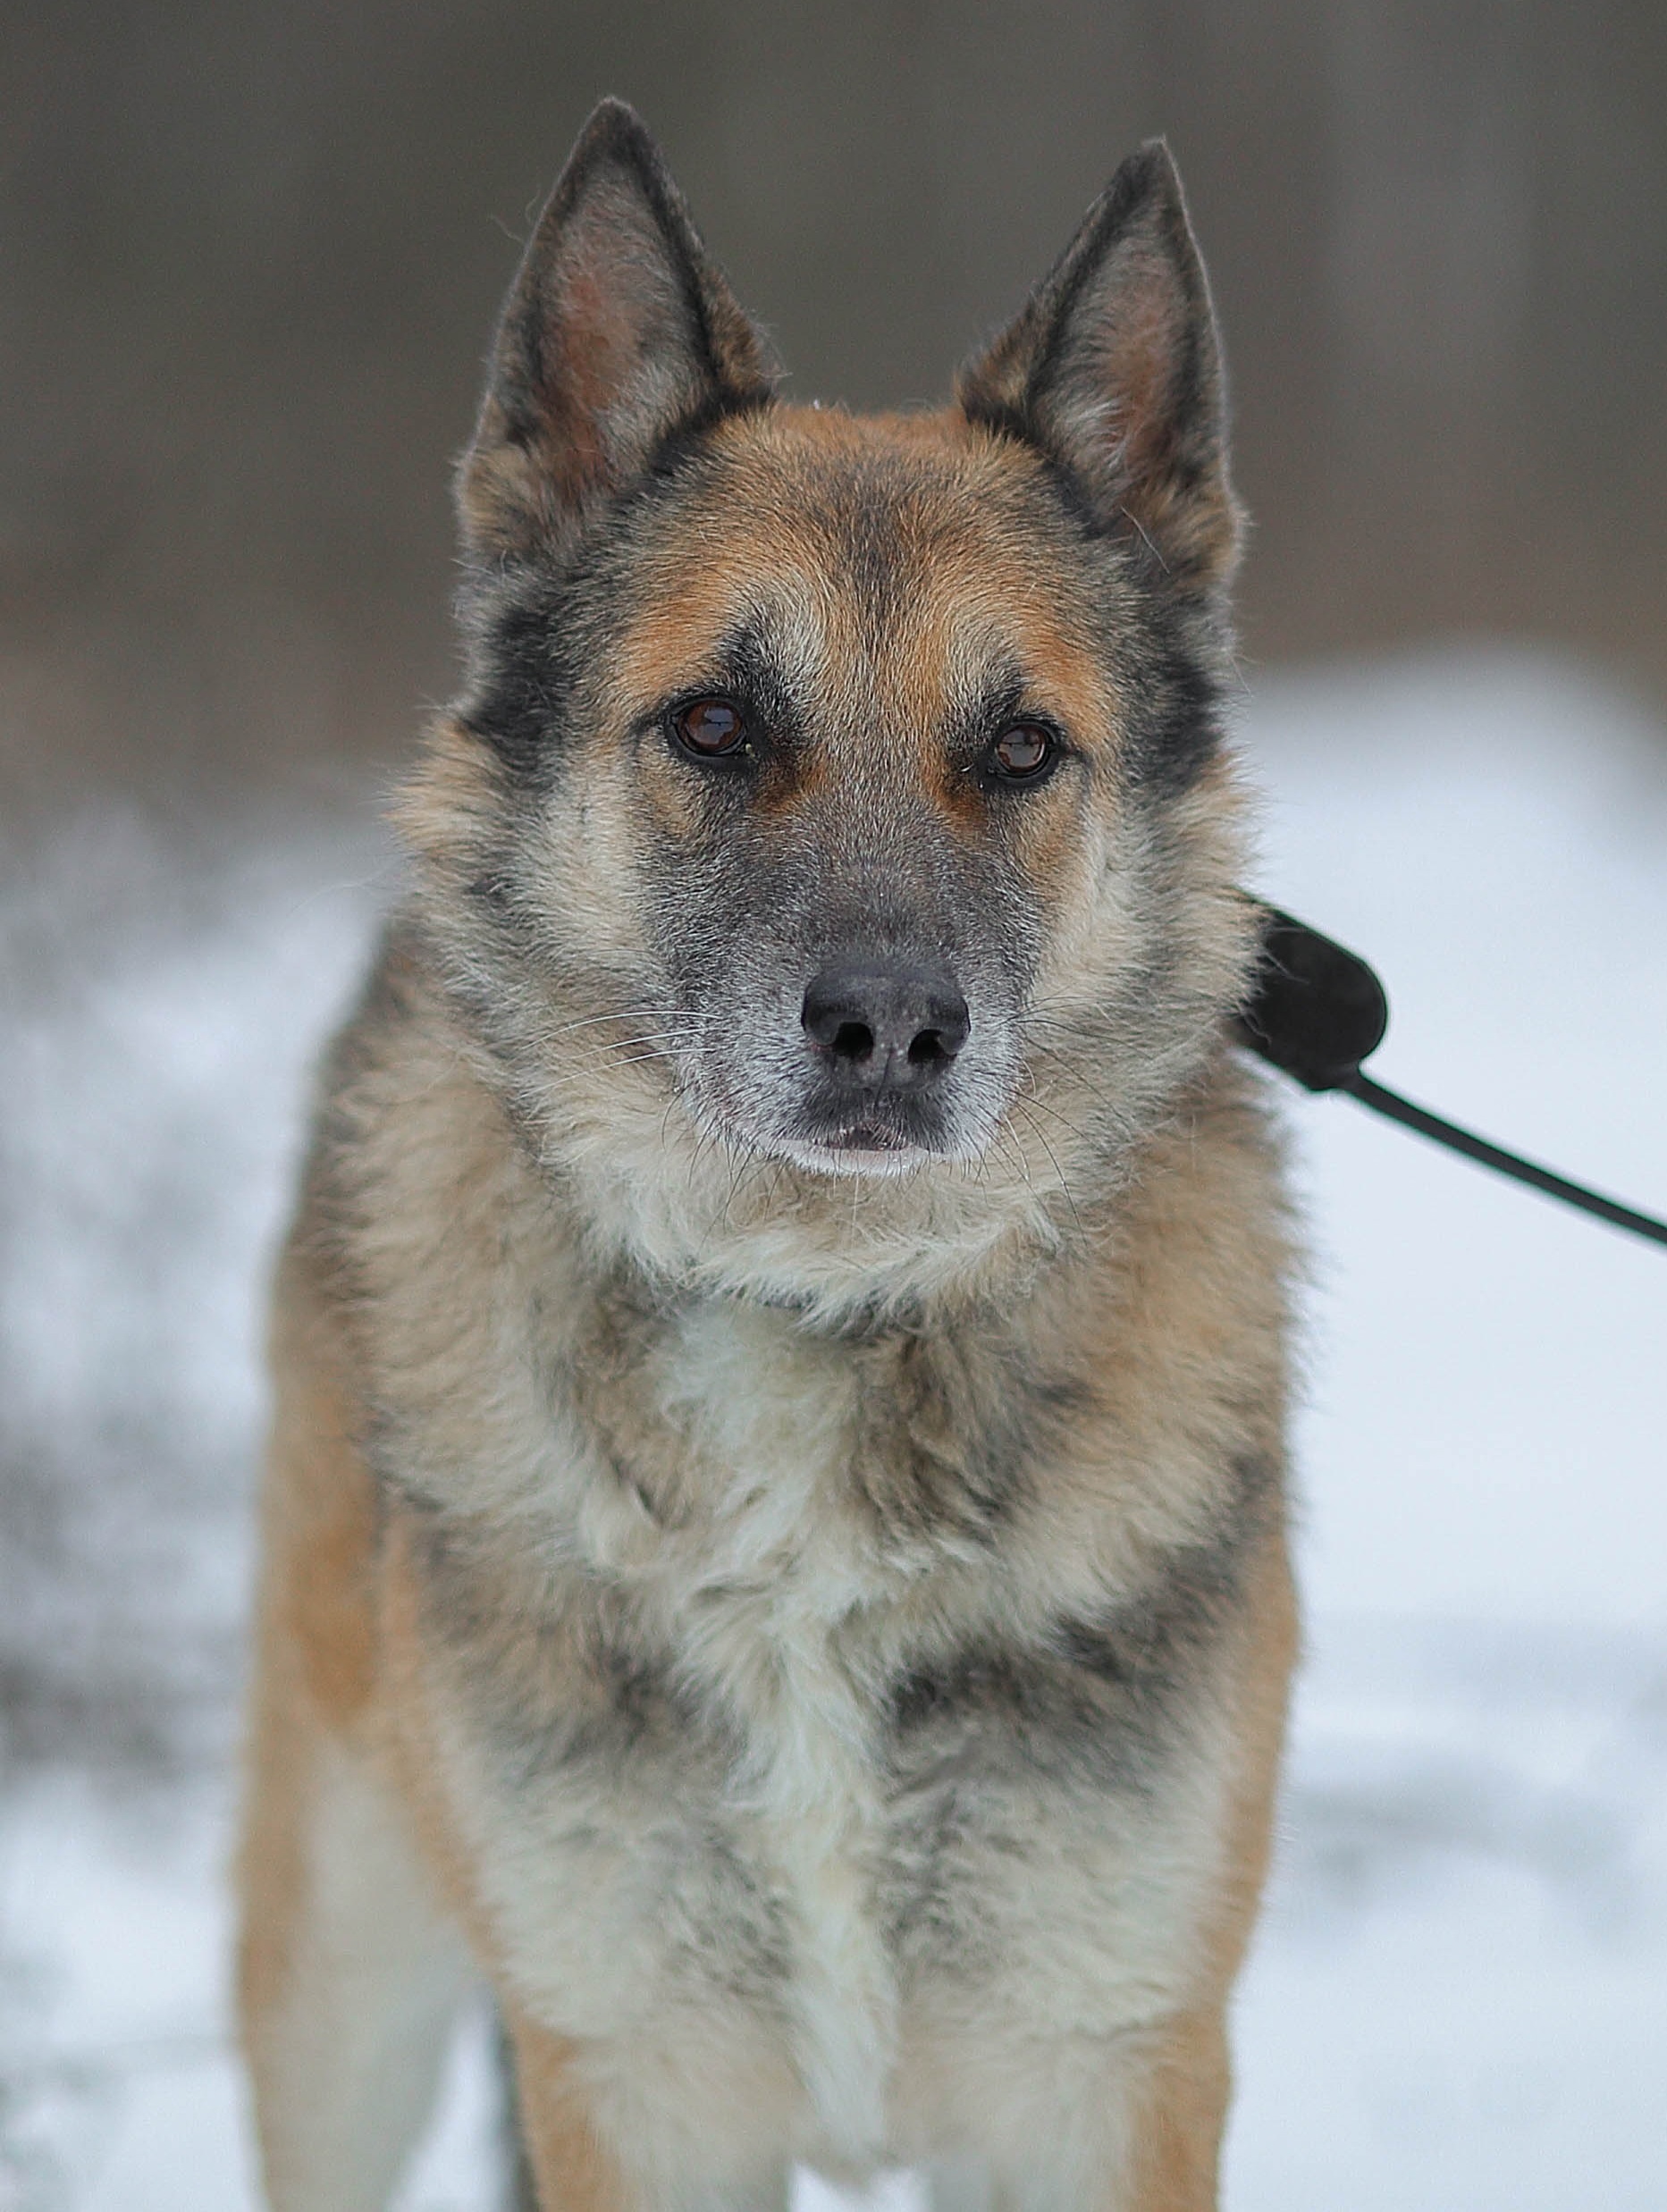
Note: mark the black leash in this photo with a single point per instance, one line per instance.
(1316, 1011)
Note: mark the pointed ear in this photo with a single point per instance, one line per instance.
(1113, 368)
(618, 331)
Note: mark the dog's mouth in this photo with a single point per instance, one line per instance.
(834, 1137)
(865, 1147)
(867, 1137)
(889, 1134)
(862, 1150)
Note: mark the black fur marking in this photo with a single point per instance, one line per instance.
(1124, 198)
(688, 441)
(527, 681)
(1060, 355)
(531, 624)
(560, 1684)
(866, 531)
(492, 888)
(622, 132)
(1093, 523)
(614, 137)
(624, 137)
(517, 374)
(1060, 296)
(1044, 1713)
(634, 1705)
(565, 1680)
(1176, 733)
(1092, 1704)
(1003, 419)
(928, 1470)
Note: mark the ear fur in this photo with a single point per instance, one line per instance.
(618, 331)
(1113, 368)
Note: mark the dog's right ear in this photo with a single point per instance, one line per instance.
(619, 332)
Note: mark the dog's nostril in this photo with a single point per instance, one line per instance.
(853, 1041)
(929, 1049)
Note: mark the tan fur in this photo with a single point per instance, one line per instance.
(812, 1637)
(569, 2165)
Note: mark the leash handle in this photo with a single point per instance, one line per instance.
(1316, 1009)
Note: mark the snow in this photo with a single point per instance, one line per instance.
(1458, 1998)
(1493, 834)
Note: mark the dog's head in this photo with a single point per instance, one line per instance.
(841, 797)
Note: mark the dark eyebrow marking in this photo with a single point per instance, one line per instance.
(753, 673)
(1004, 697)
(742, 666)
(974, 718)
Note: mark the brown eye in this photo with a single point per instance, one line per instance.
(1024, 750)
(710, 728)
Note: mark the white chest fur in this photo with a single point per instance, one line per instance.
(758, 1572)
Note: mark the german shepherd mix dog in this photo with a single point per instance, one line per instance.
(775, 1547)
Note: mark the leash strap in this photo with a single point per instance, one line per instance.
(1316, 1009)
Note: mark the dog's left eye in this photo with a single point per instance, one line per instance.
(1024, 752)
(710, 728)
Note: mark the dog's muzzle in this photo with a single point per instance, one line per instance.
(885, 1035)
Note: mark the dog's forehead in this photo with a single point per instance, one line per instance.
(909, 555)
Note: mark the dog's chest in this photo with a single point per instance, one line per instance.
(764, 1596)
(747, 1814)
(805, 1802)
(746, 1540)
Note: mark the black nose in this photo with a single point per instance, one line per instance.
(884, 1027)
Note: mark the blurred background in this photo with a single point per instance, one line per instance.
(251, 251)
(250, 256)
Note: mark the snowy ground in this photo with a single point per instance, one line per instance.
(1459, 1998)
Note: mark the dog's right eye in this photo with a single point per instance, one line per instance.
(709, 728)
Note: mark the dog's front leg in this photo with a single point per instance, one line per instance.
(350, 1982)
(571, 2168)
(574, 2163)
(1130, 2122)
(349, 1975)
(1178, 2121)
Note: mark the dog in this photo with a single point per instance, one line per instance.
(775, 1548)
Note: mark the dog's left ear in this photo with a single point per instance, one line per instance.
(1114, 369)
(619, 332)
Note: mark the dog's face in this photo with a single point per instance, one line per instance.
(841, 782)
(833, 793)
